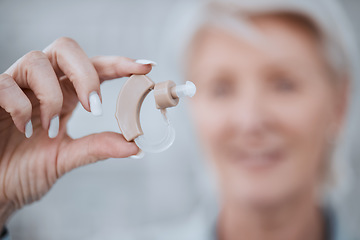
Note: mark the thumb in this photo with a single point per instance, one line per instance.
(91, 148)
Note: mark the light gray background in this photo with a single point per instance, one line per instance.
(114, 198)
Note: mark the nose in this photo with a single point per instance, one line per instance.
(248, 116)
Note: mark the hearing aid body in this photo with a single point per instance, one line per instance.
(129, 102)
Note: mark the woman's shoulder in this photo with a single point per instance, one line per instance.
(201, 225)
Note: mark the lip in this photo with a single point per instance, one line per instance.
(257, 160)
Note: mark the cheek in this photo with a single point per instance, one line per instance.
(307, 121)
(306, 125)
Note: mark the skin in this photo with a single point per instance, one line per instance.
(39, 86)
(266, 113)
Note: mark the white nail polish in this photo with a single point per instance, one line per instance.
(54, 127)
(139, 155)
(95, 104)
(28, 129)
(144, 61)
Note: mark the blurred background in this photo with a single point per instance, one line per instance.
(117, 197)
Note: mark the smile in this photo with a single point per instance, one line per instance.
(257, 159)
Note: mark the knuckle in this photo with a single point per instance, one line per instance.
(6, 81)
(33, 60)
(35, 56)
(66, 41)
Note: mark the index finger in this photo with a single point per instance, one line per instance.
(111, 67)
(69, 59)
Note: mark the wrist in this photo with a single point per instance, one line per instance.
(6, 210)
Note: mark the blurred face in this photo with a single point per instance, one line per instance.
(265, 111)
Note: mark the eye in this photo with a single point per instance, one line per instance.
(284, 84)
(221, 85)
(222, 89)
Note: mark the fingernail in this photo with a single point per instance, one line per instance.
(54, 127)
(95, 104)
(145, 62)
(139, 155)
(28, 129)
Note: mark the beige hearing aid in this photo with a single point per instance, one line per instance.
(129, 102)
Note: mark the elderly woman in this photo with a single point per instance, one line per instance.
(273, 87)
(272, 79)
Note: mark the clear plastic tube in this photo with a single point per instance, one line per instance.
(159, 146)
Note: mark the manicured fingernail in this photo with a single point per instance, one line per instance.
(145, 62)
(54, 127)
(28, 129)
(139, 155)
(95, 104)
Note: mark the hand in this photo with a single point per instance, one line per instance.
(40, 92)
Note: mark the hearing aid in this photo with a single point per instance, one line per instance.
(128, 107)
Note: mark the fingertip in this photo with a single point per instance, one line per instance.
(28, 129)
(145, 69)
(110, 144)
(146, 62)
(132, 148)
(144, 66)
(139, 155)
(111, 67)
(54, 127)
(95, 104)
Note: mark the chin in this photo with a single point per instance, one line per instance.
(262, 190)
(260, 197)
(266, 179)
(263, 199)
